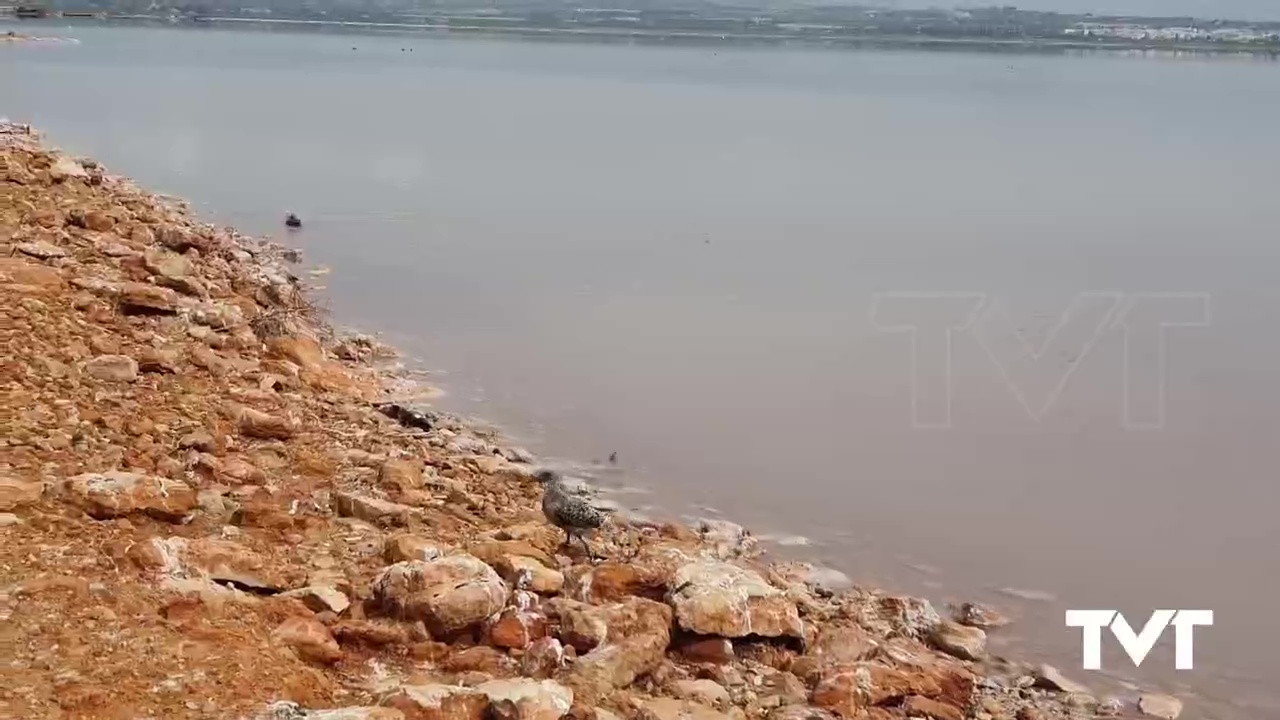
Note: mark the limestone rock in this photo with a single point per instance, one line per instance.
(371, 509)
(726, 539)
(541, 579)
(898, 615)
(117, 493)
(868, 684)
(257, 424)
(1165, 707)
(194, 564)
(304, 352)
(582, 626)
(156, 360)
(496, 553)
(15, 493)
(823, 580)
(41, 250)
(402, 475)
(716, 598)
(1049, 677)
(524, 699)
(962, 641)
(448, 594)
(838, 644)
(65, 167)
(21, 274)
(638, 633)
(309, 638)
(786, 688)
(99, 221)
(321, 598)
(707, 692)
(407, 546)
(438, 702)
(922, 707)
(543, 658)
(143, 299)
(112, 368)
(673, 709)
(481, 659)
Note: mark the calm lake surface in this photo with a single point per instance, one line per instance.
(697, 258)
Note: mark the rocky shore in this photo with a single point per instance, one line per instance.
(213, 505)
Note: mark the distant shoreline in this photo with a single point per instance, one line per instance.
(695, 37)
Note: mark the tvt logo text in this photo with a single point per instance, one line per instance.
(1137, 645)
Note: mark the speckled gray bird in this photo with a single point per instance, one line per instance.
(568, 511)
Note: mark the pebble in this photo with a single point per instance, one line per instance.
(1164, 707)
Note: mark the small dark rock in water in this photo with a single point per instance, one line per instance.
(613, 458)
(292, 221)
(406, 416)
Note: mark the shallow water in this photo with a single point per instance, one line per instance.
(697, 257)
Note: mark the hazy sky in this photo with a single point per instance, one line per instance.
(1238, 9)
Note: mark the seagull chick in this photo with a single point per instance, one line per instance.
(568, 511)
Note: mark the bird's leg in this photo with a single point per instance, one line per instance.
(586, 546)
(568, 538)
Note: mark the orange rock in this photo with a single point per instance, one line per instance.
(516, 629)
(867, 684)
(639, 632)
(916, 706)
(841, 644)
(708, 650)
(401, 475)
(430, 651)
(99, 221)
(303, 352)
(371, 509)
(495, 552)
(15, 493)
(611, 581)
(374, 633)
(17, 273)
(480, 658)
(117, 493)
(309, 638)
(581, 626)
(257, 424)
(438, 702)
(143, 299)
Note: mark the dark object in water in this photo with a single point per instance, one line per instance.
(405, 416)
(613, 458)
(292, 221)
